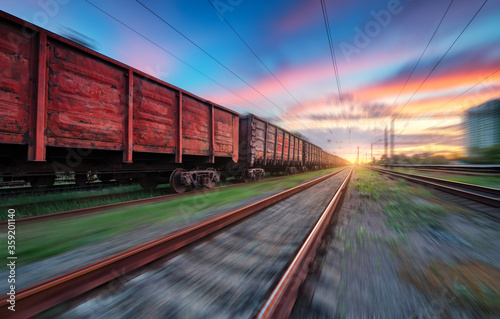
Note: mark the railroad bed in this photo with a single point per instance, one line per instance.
(227, 275)
(205, 205)
(484, 199)
(400, 251)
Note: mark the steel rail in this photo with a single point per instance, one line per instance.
(281, 301)
(450, 187)
(451, 172)
(103, 208)
(478, 188)
(43, 296)
(471, 168)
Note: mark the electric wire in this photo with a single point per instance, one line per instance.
(422, 54)
(418, 61)
(335, 67)
(257, 57)
(179, 59)
(441, 59)
(211, 56)
(437, 64)
(173, 55)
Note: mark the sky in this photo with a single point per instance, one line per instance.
(424, 62)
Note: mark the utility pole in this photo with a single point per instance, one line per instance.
(392, 141)
(357, 157)
(385, 144)
(371, 157)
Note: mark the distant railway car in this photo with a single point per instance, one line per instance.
(329, 160)
(65, 107)
(265, 146)
(312, 156)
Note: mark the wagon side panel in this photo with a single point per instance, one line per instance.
(271, 144)
(301, 152)
(16, 69)
(224, 137)
(286, 148)
(279, 146)
(86, 100)
(196, 121)
(244, 141)
(155, 113)
(258, 138)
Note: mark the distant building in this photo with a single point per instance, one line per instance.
(482, 125)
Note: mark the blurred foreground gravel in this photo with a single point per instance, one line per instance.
(227, 276)
(399, 251)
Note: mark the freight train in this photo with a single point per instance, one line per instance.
(67, 109)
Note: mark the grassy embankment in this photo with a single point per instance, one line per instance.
(45, 239)
(408, 209)
(76, 200)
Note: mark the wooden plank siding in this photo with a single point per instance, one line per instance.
(86, 100)
(18, 67)
(155, 117)
(57, 93)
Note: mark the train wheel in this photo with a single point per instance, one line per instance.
(210, 184)
(244, 177)
(175, 181)
(212, 176)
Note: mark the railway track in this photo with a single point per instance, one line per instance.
(275, 293)
(100, 208)
(82, 211)
(454, 172)
(484, 195)
(469, 168)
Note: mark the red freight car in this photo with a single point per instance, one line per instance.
(64, 107)
(312, 156)
(329, 160)
(265, 146)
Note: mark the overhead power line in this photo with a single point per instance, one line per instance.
(418, 61)
(467, 90)
(257, 57)
(441, 59)
(334, 62)
(173, 55)
(436, 65)
(422, 54)
(211, 56)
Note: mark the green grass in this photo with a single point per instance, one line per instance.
(361, 235)
(405, 207)
(41, 240)
(74, 200)
(403, 216)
